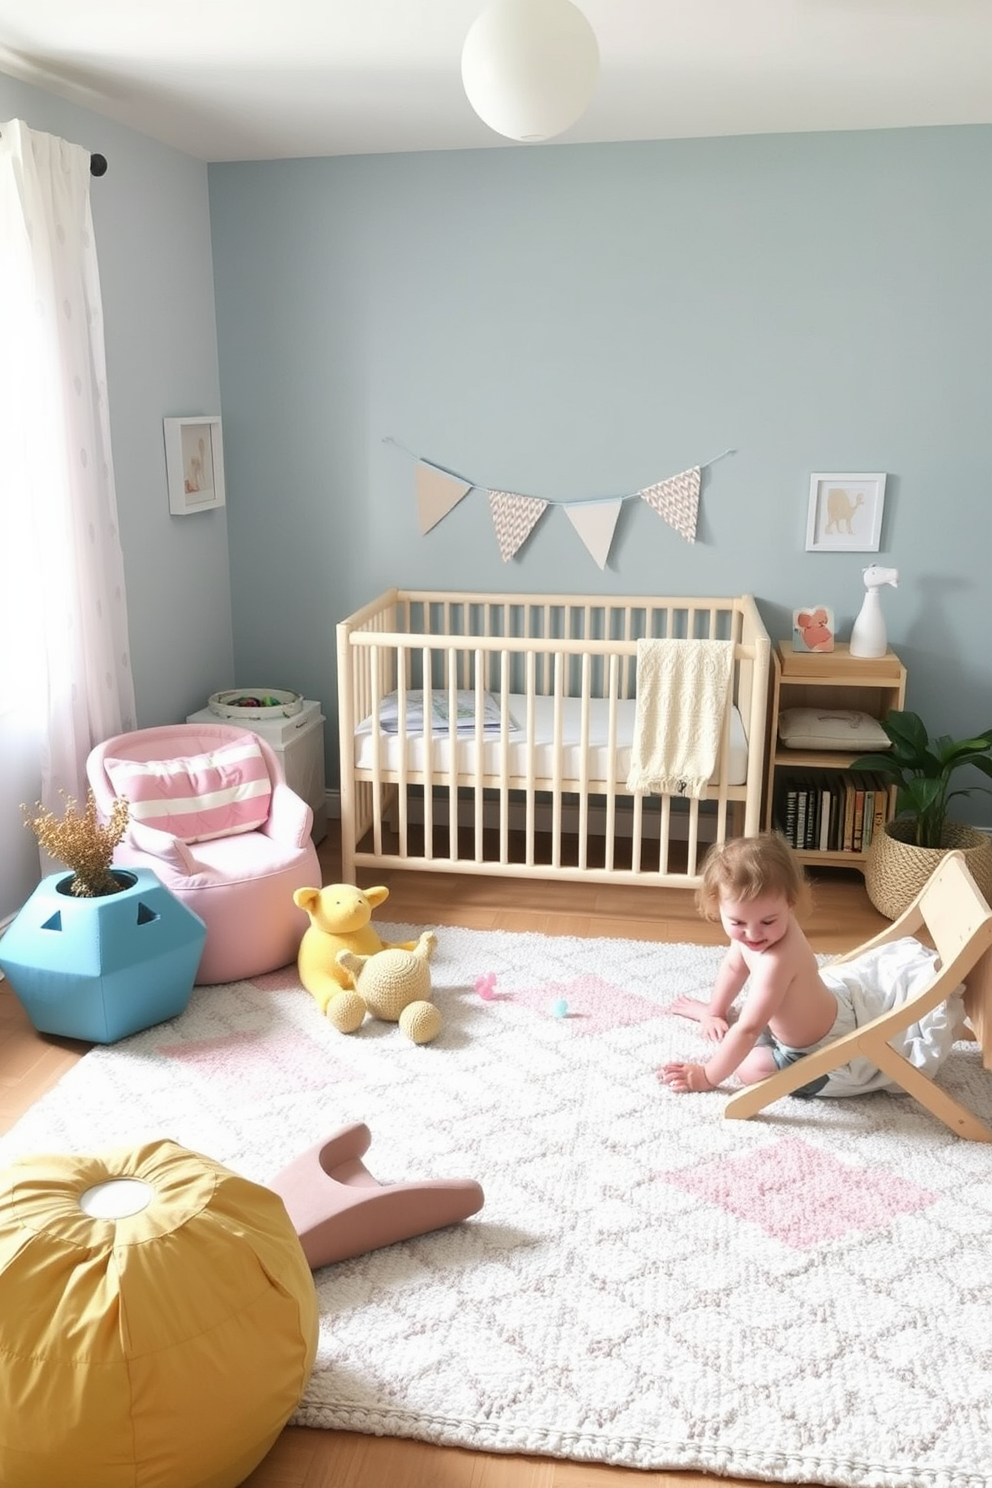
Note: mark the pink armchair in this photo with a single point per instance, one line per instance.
(213, 818)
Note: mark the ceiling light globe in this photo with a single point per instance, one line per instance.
(529, 67)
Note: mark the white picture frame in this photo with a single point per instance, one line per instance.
(194, 464)
(845, 513)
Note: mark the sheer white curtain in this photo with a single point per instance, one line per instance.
(64, 652)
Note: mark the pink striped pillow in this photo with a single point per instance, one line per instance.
(198, 796)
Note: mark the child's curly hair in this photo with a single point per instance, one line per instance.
(748, 867)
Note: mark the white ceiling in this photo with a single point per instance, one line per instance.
(269, 79)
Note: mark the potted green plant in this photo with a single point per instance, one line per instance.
(904, 854)
(99, 952)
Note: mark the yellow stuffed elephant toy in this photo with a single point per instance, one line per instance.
(340, 920)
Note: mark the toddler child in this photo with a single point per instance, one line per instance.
(754, 885)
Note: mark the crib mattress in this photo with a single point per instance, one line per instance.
(390, 751)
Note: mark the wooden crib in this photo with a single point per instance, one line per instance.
(530, 781)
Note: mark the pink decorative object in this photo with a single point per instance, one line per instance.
(486, 986)
(813, 630)
(199, 796)
(340, 1210)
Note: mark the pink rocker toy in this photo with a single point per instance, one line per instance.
(339, 1210)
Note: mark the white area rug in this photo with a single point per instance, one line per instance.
(806, 1297)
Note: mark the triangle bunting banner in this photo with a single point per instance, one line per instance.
(514, 519)
(677, 501)
(596, 522)
(437, 494)
(514, 516)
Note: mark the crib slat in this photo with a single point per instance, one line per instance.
(504, 759)
(427, 682)
(615, 682)
(530, 682)
(557, 748)
(584, 760)
(480, 767)
(403, 793)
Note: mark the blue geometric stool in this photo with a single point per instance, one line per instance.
(100, 969)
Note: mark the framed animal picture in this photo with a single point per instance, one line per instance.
(845, 513)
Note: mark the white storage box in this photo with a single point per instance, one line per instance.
(299, 743)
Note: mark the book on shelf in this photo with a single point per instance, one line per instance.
(826, 815)
(868, 821)
(791, 802)
(837, 791)
(784, 809)
(814, 785)
(881, 803)
(847, 839)
(858, 820)
(802, 796)
(863, 807)
(830, 810)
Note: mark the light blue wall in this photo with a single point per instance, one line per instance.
(152, 226)
(580, 321)
(569, 321)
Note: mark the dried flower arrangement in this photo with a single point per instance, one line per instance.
(80, 841)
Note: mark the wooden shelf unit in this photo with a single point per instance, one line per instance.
(827, 679)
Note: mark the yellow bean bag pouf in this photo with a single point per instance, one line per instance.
(165, 1347)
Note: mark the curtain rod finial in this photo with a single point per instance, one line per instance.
(98, 165)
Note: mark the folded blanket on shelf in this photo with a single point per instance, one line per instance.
(682, 692)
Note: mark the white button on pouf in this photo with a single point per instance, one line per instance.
(158, 1321)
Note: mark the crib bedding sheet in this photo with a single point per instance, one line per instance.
(390, 748)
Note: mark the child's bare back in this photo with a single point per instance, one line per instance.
(785, 981)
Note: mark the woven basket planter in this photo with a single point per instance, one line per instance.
(896, 869)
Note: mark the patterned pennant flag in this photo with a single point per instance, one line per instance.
(437, 493)
(595, 522)
(677, 500)
(514, 518)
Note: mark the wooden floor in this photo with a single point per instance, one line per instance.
(841, 917)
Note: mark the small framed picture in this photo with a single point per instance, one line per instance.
(813, 629)
(845, 513)
(194, 463)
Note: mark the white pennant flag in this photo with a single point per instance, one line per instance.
(437, 493)
(514, 518)
(677, 500)
(595, 522)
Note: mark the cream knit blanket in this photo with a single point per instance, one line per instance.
(682, 690)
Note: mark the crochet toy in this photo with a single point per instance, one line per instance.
(394, 985)
(340, 917)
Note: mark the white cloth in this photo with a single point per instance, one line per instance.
(64, 596)
(682, 691)
(873, 983)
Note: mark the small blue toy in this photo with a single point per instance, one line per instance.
(560, 1008)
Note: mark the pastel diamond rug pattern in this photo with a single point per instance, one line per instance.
(804, 1298)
